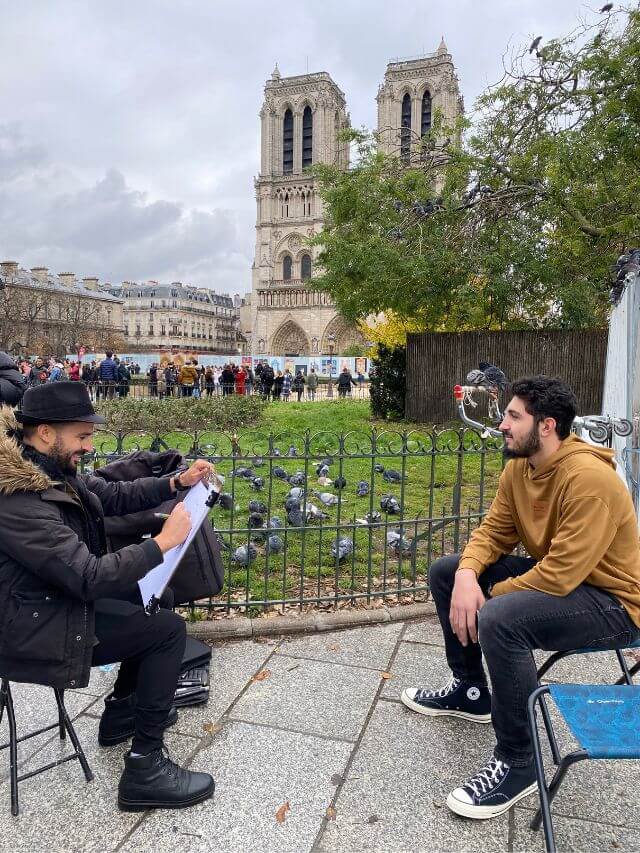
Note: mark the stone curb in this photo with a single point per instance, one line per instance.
(243, 628)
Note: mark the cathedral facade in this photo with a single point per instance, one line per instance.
(301, 118)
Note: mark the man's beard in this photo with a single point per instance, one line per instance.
(529, 445)
(62, 457)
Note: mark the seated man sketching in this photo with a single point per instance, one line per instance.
(62, 596)
(563, 500)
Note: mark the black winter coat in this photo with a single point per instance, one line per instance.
(54, 563)
(12, 383)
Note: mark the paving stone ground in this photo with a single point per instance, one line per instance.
(325, 733)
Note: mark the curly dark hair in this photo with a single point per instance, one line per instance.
(548, 397)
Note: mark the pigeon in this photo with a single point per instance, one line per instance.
(378, 468)
(327, 498)
(279, 472)
(255, 520)
(325, 481)
(476, 378)
(398, 205)
(606, 8)
(258, 462)
(327, 461)
(296, 519)
(274, 522)
(292, 451)
(373, 517)
(258, 506)
(342, 548)
(257, 484)
(390, 505)
(392, 476)
(397, 541)
(276, 452)
(296, 493)
(322, 470)
(244, 555)
(274, 544)
(313, 512)
(362, 489)
(225, 500)
(291, 504)
(534, 44)
(259, 535)
(339, 483)
(298, 479)
(241, 472)
(494, 376)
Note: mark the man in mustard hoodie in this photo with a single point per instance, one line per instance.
(563, 500)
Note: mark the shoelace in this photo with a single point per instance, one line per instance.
(449, 687)
(169, 767)
(487, 778)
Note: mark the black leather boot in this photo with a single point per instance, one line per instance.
(155, 782)
(117, 723)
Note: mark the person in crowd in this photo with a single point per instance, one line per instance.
(94, 381)
(240, 379)
(13, 383)
(59, 565)
(250, 381)
(108, 376)
(360, 379)
(171, 378)
(258, 377)
(267, 379)
(74, 371)
(312, 384)
(153, 380)
(562, 499)
(298, 384)
(124, 378)
(345, 381)
(57, 373)
(227, 380)
(217, 372)
(162, 384)
(287, 381)
(277, 385)
(38, 373)
(209, 381)
(187, 378)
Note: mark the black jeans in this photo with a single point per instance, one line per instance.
(509, 627)
(151, 650)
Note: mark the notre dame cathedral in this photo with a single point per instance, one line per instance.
(301, 118)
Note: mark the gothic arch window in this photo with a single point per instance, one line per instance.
(284, 206)
(286, 267)
(287, 142)
(405, 123)
(307, 137)
(305, 266)
(425, 122)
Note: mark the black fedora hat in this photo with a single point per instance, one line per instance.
(57, 403)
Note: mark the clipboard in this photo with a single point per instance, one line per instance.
(198, 502)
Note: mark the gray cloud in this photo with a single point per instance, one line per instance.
(131, 130)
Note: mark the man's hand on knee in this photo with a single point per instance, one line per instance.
(466, 600)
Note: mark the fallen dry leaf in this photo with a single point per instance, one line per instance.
(331, 813)
(333, 648)
(281, 814)
(262, 675)
(212, 728)
(386, 675)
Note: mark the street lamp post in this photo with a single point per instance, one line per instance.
(331, 342)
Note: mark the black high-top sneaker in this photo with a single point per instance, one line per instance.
(455, 699)
(493, 790)
(155, 782)
(117, 723)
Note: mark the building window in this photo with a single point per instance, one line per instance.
(287, 143)
(286, 268)
(405, 132)
(307, 137)
(425, 124)
(284, 206)
(305, 266)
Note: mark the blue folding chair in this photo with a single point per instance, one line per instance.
(625, 678)
(604, 719)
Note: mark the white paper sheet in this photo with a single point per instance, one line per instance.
(155, 581)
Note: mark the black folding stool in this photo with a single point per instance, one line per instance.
(64, 726)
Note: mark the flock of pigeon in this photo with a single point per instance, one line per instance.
(299, 508)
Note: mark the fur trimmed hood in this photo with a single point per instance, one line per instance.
(17, 474)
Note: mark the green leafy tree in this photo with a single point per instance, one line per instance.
(513, 222)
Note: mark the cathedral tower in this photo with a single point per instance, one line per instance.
(300, 121)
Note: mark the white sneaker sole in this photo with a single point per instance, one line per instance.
(437, 712)
(487, 812)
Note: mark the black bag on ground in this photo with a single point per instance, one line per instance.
(193, 684)
(201, 570)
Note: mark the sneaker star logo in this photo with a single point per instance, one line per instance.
(473, 693)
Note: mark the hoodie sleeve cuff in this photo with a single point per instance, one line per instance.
(152, 553)
(165, 489)
(471, 563)
(503, 587)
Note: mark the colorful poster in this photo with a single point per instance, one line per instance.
(361, 365)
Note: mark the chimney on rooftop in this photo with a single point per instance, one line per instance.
(40, 273)
(91, 282)
(67, 279)
(9, 268)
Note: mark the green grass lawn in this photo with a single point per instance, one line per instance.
(430, 467)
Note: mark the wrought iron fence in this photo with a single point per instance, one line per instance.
(371, 510)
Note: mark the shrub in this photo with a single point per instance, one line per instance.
(181, 413)
(387, 382)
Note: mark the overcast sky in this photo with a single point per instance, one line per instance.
(129, 131)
